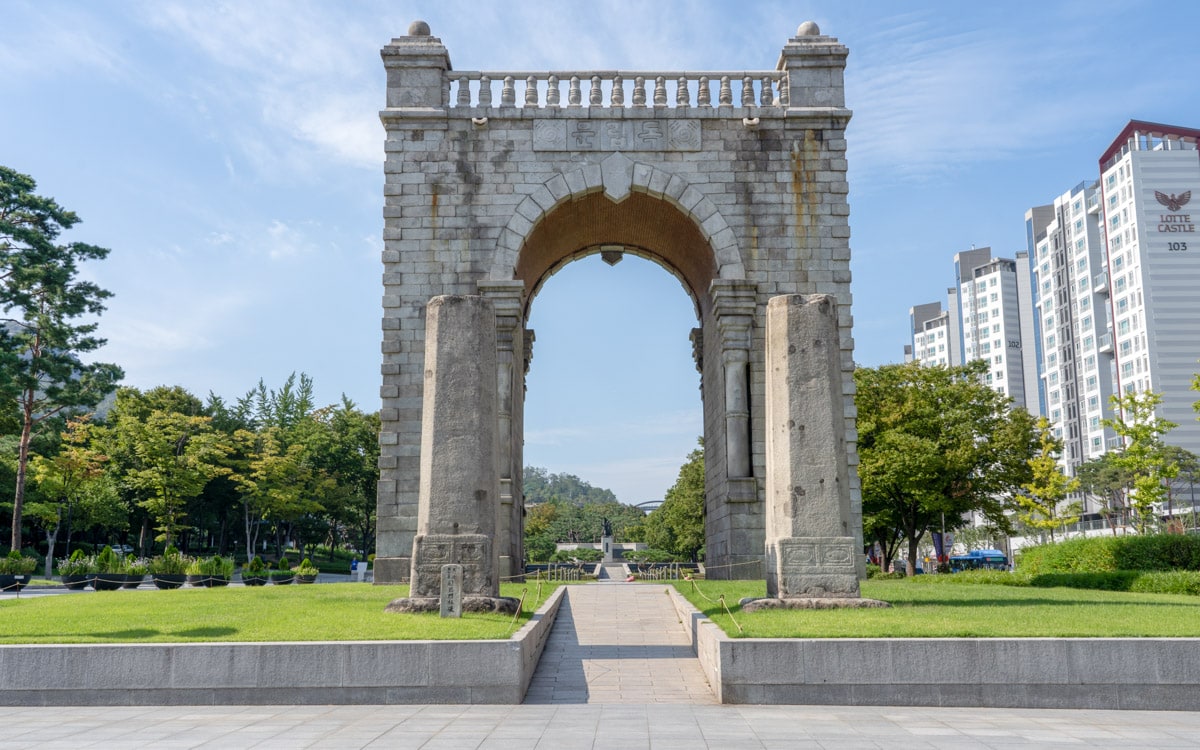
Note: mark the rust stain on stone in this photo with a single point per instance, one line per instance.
(805, 154)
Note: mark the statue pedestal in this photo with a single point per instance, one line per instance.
(606, 547)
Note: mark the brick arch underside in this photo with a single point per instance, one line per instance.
(653, 226)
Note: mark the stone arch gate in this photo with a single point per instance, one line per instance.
(735, 181)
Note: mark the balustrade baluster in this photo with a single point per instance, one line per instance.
(552, 91)
(747, 91)
(531, 92)
(485, 91)
(508, 94)
(765, 97)
(660, 92)
(595, 96)
(618, 92)
(683, 97)
(464, 92)
(573, 94)
(783, 90)
(703, 95)
(639, 92)
(726, 94)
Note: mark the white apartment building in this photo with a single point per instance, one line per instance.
(932, 339)
(1071, 311)
(1148, 178)
(990, 300)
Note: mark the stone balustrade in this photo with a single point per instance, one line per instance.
(615, 89)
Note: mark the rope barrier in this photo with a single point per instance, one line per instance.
(513, 625)
(719, 600)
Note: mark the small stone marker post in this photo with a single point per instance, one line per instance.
(452, 590)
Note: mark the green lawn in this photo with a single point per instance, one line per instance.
(320, 612)
(922, 610)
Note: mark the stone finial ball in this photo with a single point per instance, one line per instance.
(418, 28)
(808, 28)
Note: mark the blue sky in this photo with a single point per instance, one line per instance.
(230, 155)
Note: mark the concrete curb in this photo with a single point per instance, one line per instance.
(301, 673)
(1097, 673)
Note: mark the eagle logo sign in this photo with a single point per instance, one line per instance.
(1173, 202)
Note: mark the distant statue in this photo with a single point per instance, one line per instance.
(607, 527)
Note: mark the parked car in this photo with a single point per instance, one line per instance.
(122, 549)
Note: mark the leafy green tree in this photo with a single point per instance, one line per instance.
(935, 444)
(171, 457)
(271, 482)
(1047, 487)
(41, 299)
(1144, 456)
(1109, 483)
(64, 480)
(677, 525)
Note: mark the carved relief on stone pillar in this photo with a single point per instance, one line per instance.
(733, 307)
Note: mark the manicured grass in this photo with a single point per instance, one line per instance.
(922, 609)
(319, 612)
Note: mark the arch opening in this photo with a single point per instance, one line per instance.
(640, 224)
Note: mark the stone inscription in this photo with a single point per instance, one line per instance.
(432, 551)
(452, 591)
(817, 554)
(616, 135)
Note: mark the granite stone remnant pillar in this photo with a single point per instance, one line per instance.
(459, 487)
(810, 543)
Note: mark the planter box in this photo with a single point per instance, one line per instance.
(208, 581)
(11, 582)
(78, 582)
(253, 580)
(168, 580)
(282, 579)
(108, 581)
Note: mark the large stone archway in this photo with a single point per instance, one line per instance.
(733, 181)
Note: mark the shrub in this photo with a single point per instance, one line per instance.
(1109, 554)
(1142, 582)
(255, 567)
(994, 577)
(586, 554)
(212, 567)
(306, 568)
(78, 564)
(284, 563)
(17, 564)
(653, 556)
(169, 563)
(108, 561)
(1169, 582)
(138, 566)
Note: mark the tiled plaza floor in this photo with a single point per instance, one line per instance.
(617, 674)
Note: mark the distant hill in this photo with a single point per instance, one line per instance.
(541, 486)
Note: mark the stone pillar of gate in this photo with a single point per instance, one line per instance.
(507, 298)
(416, 65)
(735, 529)
(457, 516)
(810, 545)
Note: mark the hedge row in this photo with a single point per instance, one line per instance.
(1109, 554)
(1142, 582)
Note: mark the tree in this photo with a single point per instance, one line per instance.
(935, 444)
(1047, 487)
(175, 456)
(1143, 457)
(64, 480)
(41, 298)
(272, 482)
(677, 525)
(1104, 479)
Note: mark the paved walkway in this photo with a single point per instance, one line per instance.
(596, 727)
(619, 648)
(618, 643)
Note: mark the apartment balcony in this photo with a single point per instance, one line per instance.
(1104, 343)
(1100, 283)
(1093, 204)
(1114, 443)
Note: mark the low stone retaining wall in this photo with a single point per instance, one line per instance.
(1104, 673)
(341, 672)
